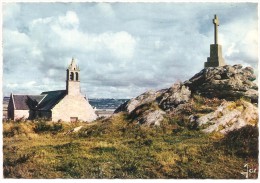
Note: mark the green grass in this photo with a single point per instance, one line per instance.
(117, 148)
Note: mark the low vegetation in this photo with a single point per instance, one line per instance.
(119, 148)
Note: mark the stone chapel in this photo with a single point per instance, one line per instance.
(65, 105)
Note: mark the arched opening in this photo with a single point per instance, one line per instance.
(77, 76)
(71, 76)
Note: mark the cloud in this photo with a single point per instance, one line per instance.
(123, 49)
(232, 50)
(242, 43)
(70, 20)
(63, 34)
(106, 8)
(10, 13)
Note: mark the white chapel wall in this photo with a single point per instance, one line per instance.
(73, 106)
(21, 114)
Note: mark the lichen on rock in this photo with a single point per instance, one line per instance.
(226, 82)
(230, 116)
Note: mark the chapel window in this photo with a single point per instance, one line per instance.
(77, 76)
(71, 76)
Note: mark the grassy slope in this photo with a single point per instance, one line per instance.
(115, 148)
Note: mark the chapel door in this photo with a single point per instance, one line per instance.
(73, 119)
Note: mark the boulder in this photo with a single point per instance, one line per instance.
(152, 118)
(73, 130)
(229, 116)
(171, 98)
(225, 82)
(144, 98)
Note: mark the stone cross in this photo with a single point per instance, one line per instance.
(215, 59)
(216, 24)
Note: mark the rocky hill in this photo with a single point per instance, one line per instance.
(217, 99)
(203, 128)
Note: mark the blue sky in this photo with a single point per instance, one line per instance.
(123, 49)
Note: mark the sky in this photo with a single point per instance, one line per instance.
(122, 49)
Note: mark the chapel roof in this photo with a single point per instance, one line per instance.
(51, 99)
(26, 102)
(46, 101)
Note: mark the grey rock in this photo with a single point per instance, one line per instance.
(217, 77)
(152, 118)
(166, 98)
(177, 94)
(238, 66)
(144, 98)
(229, 116)
(226, 82)
(73, 130)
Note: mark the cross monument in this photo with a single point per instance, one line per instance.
(215, 58)
(216, 24)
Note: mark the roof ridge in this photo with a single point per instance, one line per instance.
(53, 91)
(41, 99)
(12, 96)
(28, 94)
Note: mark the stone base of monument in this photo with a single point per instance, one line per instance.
(215, 58)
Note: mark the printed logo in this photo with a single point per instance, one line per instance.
(248, 171)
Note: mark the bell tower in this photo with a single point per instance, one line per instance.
(72, 81)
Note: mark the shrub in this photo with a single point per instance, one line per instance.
(148, 142)
(242, 142)
(11, 129)
(57, 127)
(43, 126)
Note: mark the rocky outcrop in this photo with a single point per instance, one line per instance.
(148, 114)
(144, 98)
(226, 82)
(152, 118)
(229, 116)
(140, 109)
(171, 98)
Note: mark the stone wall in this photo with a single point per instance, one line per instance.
(73, 106)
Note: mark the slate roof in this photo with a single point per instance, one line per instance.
(26, 102)
(51, 99)
(46, 101)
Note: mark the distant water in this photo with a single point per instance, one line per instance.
(98, 103)
(106, 103)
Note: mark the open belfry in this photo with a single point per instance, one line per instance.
(215, 58)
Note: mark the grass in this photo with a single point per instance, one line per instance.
(119, 148)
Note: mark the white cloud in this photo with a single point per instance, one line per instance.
(251, 41)
(62, 36)
(106, 8)
(231, 50)
(12, 85)
(121, 44)
(240, 41)
(70, 20)
(10, 11)
(123, 49)
(14, 38)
